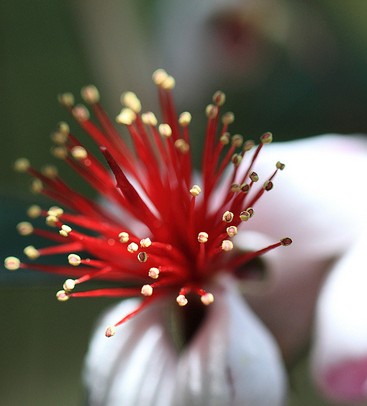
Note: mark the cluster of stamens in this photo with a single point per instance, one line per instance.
(166, 240)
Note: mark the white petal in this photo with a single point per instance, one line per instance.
(319, 196)
(136, 366)
(232, 360)
(340, 352)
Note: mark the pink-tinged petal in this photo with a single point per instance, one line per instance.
(137, 366)
(319, 194)
(231, 358)
(339, 360)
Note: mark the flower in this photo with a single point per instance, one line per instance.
(321, 281)
(165, 239)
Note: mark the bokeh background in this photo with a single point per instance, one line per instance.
(297, 68)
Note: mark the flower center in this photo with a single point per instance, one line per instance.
(166, 235)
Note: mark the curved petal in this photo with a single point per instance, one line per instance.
(318, 201)
(319, 194)
(339, 357)
(137, 366)
(232, 358)
(227, 363)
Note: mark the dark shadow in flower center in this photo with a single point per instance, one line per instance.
(186, 321)
(254, 270)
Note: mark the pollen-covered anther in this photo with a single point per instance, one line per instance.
(254, 177)
(25, 228)
(145, 242)
(22, 165)
(280, 165)
(245, 188)
(130, 100)
(227, 118)
(52, 221)
(63, 127)
(153, 273)
(286, 241)
(248, 145)
(219, 98)
(65, 230)
(245, 215)
(266, 138)
(55, 211)
(168, 83)
(31, 252)
(80, 113)
(110, 331)
(132, 247)
(147, 290)
(126, 116)
(195, 190)
(124, 237)
(268, 185)
(227, 245)
(181, 300)
(159, 76)
(62, 296)
(203, 237)
(182, 146)
(74, 259)
(236, 159)
(36, 186)
(12, 263)
(142, 256)
(69, 285)
(34, 211)
(165, 130)
(184, 119)
(59, 152)
(78, 152)
(235, 187)
(211, 111)
(90, 94)
(149, 118)
(237, 140)
(232, 231)
(225, 138)
(50, 171)
(66, 99)
(227, 216)
(207, 298)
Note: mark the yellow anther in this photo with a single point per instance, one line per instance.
(90, 94)
(207, 298)
(74, 259)
(227, 245)
(62, 296)
(110, 331)
(25, 228)
(124, 237)
(31, 252)
(165, 130)
(69, 284)
(130, 100)
(147, 290)
(22, 165)
(195, 190)
(153, 273)
(12, 263)
(203, 237)
(181, 300)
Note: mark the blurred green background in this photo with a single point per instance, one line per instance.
(301, 73)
